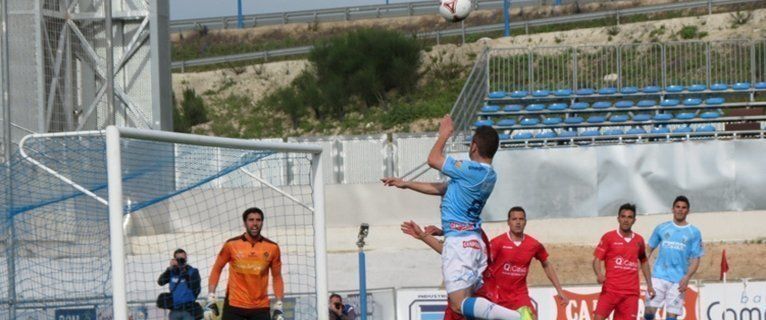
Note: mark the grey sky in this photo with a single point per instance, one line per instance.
(186, 9)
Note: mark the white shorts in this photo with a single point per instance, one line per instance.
(464, 259)
(666, 294)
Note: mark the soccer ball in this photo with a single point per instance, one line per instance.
(455, 10)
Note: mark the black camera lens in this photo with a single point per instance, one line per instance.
(181, 261)
(338, 305)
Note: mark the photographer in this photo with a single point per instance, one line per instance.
(184, 287)
(339, 311)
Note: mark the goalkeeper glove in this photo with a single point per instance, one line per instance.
(277, 311)
(211, 307)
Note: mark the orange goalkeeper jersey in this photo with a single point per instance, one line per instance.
(249, 264)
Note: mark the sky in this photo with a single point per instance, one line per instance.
(187, 9)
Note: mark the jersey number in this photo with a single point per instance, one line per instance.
(475, 208)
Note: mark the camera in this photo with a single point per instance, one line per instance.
(181, 261)
(338, 305)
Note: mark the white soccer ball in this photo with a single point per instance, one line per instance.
(455, 10)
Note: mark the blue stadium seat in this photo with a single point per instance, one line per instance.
(496, 95)
(629, 90)
(686, 116)
(607, 90)
(536, 107)
(506, 123)
(719, 87)
(619, 118)
(636, 131)
(602, 105)
(714, 101)
(530, 122)
(739, 86)
(663, 116)
(669, 102)
(596, 119)
(519, 94)
(651, 89)
(692, 101)
(552, 121)
(490, 108)
(512, 108)
(590, 133)
(557, 106)
(579, 106)
(697, 87)
(682, 130)
(760, 85)
(504, 136)
(661, 130)
(614, 132)
(674, 88)
(567, 134)
(710, 115)
(485, 122)
(646, 103)
(641, 117)
(541, 93)
(706, 128)
(546, 135)
(523, 136)
(573, 120)
(585, 92)
(624, 104)
(563, 92)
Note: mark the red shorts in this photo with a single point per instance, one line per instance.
(625, 307)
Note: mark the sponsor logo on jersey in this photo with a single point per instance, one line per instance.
(673, 245)
(474, 244)
(623, 263)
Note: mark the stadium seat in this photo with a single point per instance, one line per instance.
(563, 92)
(619, 118)
(636, 131)
(602, 105)
(536, 107)
(719, 87)
(490, 109)
(692, 102)
(686, 116)
(646, 103)
(557, 106)
(585, 92)
(706, 128)
(530, 122)
(590, 133)
(579, 106)
(506, 123)
(682, 130)
(663, 116)
(674, 88)
(697, 87)
(573, 120)
(546, 135)
(624, 104)
(485, 122)
(669, 102)
(567, 134)
(519, 94)
(760, 85)
(552, 121)
(661, 130)
(596, 119)
(710, 115)
(629, 90)
(714, 101)
(651, 89)
(504, 136)
(541, 93)
(512, 108)
(496, 95)
(607, 90)
(641, 117)
(739, 86)
(522, 136)
(614, 132)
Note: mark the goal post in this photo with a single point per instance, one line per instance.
(147, 193)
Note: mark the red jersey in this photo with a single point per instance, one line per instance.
(623, 259)
(510, 264)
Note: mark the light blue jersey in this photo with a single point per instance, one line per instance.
(469, 186)
(677, 244)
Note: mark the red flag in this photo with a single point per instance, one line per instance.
(724, 264)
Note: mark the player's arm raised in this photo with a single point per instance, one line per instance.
(432, 188)
(436, 156)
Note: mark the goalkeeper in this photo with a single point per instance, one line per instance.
(250, 257)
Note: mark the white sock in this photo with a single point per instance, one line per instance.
(481, 308)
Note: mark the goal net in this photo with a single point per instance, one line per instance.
(66, 254)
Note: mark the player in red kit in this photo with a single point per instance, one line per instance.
(623, 252)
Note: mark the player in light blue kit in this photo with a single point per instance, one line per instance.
(680, 245)
(464, 254)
